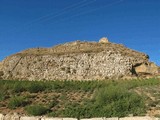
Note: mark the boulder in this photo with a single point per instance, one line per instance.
(137, 118)
(30, 118)
(94, 119)
(150, 68)
(70, 119)
(1, 117)
(10, 116)
(46, 118)
(114, 118)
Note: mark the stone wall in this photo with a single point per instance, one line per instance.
(86, 66)
(75, 61)
(18, 117)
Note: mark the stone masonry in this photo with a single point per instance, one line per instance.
(76, 61)
(18, 117)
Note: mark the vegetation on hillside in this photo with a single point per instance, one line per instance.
(80, 99)
(83, 47)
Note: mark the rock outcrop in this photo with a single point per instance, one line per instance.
(76, 61)
(147, 68)
(104, 40)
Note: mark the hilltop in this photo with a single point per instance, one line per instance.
(78, 60)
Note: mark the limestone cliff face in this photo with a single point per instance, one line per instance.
(74, 61)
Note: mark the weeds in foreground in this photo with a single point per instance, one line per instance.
(36, 110)
(17, 101)
(109, 98)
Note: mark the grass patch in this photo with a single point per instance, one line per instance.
(17, 101)
(2, 96)
(36, 110)
(79, 99)
(111, 101)
(35, 87)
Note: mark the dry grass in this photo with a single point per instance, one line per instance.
(152, 95)
(58, 99)
(69, 98)
(83, 47)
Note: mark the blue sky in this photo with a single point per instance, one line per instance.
(44, 23)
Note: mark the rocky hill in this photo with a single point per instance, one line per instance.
(77, 61)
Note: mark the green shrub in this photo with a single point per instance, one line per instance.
(110, 93)
(53, 103)
(2, 96)
(36, 110)
(120, 101)
(52, 114)
(111, 101)
(72, 110)
(17, 102)
(18, 87)
(35, 87)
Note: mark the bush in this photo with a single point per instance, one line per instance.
(72, 110)
(18, 87)
(110, 93)
(52, 114)
(35, 87)
(111, 101)
(119, 100)
(36, 110)
(2, 96)
(52, 103)
(17, 102)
